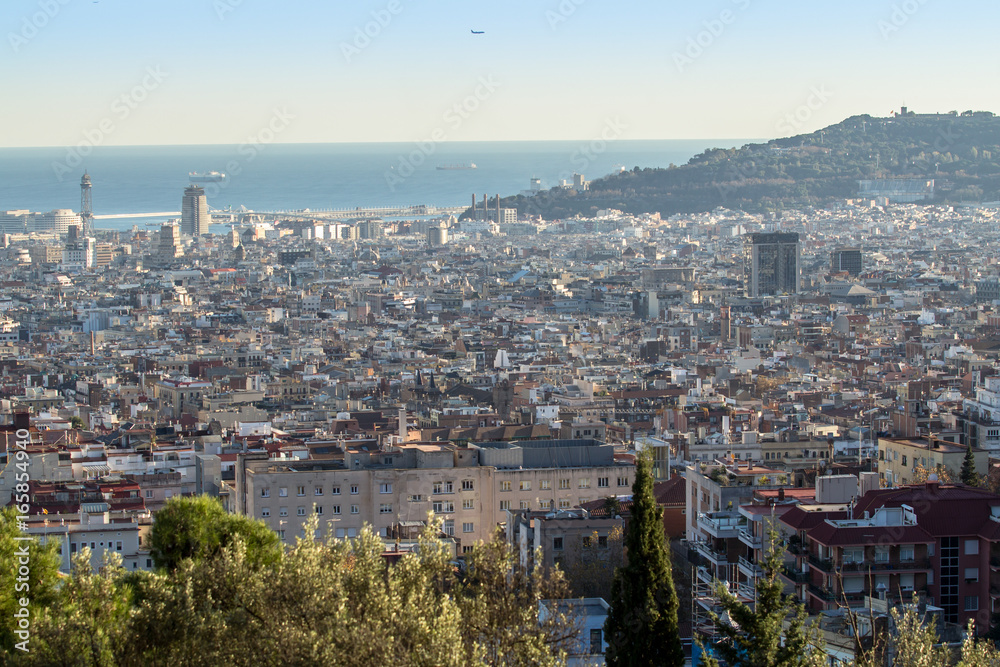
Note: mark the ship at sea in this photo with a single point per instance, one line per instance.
(206, 177)
(457, 167)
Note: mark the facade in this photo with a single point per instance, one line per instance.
(469, 488)
(56, 222)
(771, 264)
(846, 260)
(981, 423)
(194, 212)
(181, 395)
(170, 241)
(899, 458)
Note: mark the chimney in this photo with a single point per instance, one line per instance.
(402, 424)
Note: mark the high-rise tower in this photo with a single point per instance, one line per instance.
(771, 264)
(86, 206)
(194, 211)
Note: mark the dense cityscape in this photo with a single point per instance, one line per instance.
(828, 374)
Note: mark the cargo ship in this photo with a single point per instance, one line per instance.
(206, 177)
(457, 167)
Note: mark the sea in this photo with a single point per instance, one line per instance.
(129, 180)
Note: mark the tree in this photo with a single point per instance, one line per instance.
(499, 602)
(773, 633)
(38, 587)
(969, 475)
(642, 623)
(76, 422)
(199, 527)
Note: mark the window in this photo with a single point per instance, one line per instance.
(596, 645)
(468, 527)
(602, 482)
(385, 508)
(854, 555)
(971, 603)
(336, 509)
(545, 504)
(564, 504)
(318, 491)
(300, 510)
(385, 487)
(906, 553)
(545, 485)
(904, 459)
(623, 481)
(281, 535)
(504, 505)
(564, 484)
(505, 486)
(557, 543)
(882, 555)
(318, 509)
(466, 548)
(602, 541)
(282, 492)
(525, 485)
(301, 490)
(584, 483)
(415, 498)
(467, 485)
(525, 504)
(265, 512)
(335, 490)
(149, 493)
(282, 511)
(971, 574)
(443, 507)
(264, 493)
(449, 527)
(972, 549)
(354, 509)
(354, 489)
(587, 541)
(443, 487)
(468, 504)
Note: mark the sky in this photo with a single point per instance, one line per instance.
(145, 72)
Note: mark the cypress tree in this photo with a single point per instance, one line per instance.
(969, 476)
(642, 623)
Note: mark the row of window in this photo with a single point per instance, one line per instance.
(564, 504)
(384, 488)
(93, 545)
(546, 485)
(602, 542)
(318, 491)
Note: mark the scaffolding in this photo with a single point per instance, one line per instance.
(705, 600)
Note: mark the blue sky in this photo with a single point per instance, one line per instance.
(217, 71)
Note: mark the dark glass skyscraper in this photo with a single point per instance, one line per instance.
(771, 263)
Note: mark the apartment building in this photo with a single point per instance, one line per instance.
(899, 458)
(468, 488)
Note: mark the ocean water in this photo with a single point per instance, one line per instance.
(145, 179)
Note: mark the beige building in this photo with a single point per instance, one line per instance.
(899, 459)
(468, 488)
(180, 395)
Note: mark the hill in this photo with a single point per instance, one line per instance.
(960, 151)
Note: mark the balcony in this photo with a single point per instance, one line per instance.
(751, 540)
(824, 564)
(722, 525)
(706, 550)
(886, 566)
(794, 575)
(750, 570)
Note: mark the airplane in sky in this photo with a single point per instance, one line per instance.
(478, 32)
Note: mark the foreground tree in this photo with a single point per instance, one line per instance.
(499, 603)
(969, 475)
(773, 633)
(200, 528)
(38, 586)
(642, 623)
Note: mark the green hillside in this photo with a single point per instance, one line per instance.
(960, 151)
